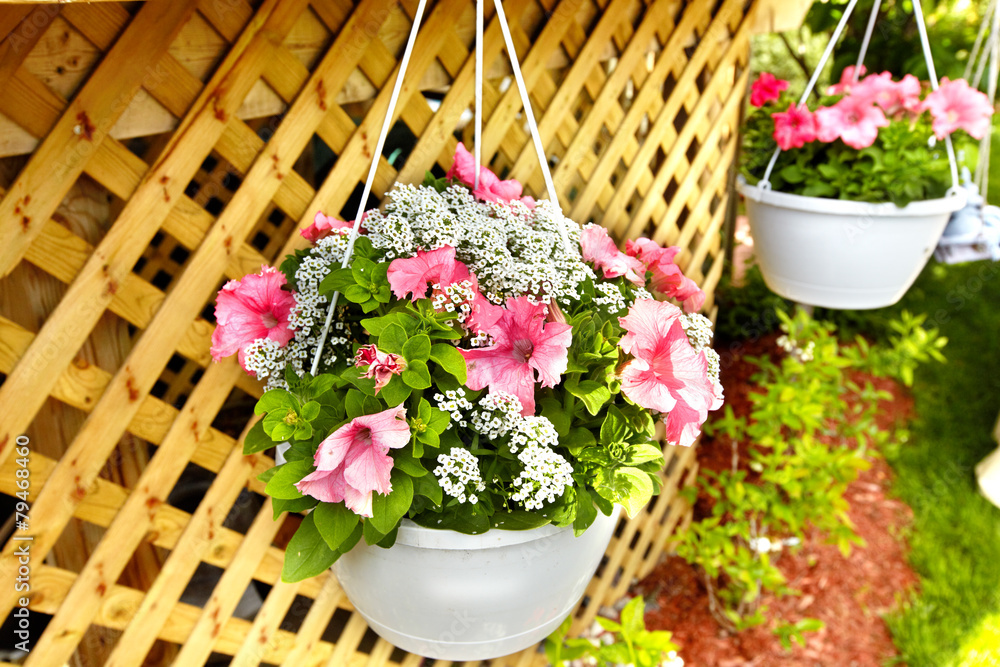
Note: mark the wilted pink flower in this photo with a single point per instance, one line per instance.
(491, 188)
(325, 225)
(667, 276)
(381, 365)
(853, 120)
(599, 249)
(794, 128)
(354, 460)
(524, 344)
(666, 374)
(766, 88)
(955, 105)
(846, 81)
(249, 309)
(412, 275)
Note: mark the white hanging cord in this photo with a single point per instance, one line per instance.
(386, 124)
(477, 141)
(864, 42)
(932, 75)
(981, 66)
(978, 44)
(536, 138)
(765, 183)
(983, 166)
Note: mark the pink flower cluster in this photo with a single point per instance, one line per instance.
(353, 461)
(381, 365)
(868, 104)
(640, 256)
(250, 309)
(491, 188)
(665, 373)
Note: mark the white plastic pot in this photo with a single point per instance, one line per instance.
(843, 254)
(988, 475)
(445, 595)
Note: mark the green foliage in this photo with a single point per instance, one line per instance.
(899, 167)
(810, 430)
(633, 644)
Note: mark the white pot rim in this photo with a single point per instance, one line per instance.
(946, 204)
(415, 535)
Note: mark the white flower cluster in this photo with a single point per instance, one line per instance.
(791, 346)
(545, 476)
(264, 358)
(533, 430)
(458, 474)
(613, 299)
(454, 402)
(455, 298)
(511, 249)
(498, 413)
(699, 332)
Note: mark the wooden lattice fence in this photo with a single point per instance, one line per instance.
(153, 150)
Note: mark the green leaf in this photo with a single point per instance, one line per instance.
(257, 440)
(586, 512)
(335, 523)
(337, 281)
(371, 534)
(615, 427)
(282, 485)
(642, 453)
(417, 375)
(307, 554)
(357, 294)
(428, 487)
(392, 339)
(387, 510)
(395, 392)
(632, 617)
(593, 394)
(450, 359)
(310, 411)
(276, 400)
(280, 505)
(517, 520)
(417, 348)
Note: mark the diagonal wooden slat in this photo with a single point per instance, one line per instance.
(55, 165)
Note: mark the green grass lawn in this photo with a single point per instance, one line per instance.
(955, 617)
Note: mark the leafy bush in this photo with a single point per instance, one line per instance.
(811, 429)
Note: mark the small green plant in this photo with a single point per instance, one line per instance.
(811, 429)
(631, 643)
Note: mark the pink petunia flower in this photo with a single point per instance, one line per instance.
(599, 249)
(955, 105)
(381, 365)
(853, 120)
(354, 460)
(847, 81)
(766, 88)
(893, 97)
(412, 275)
(667, 277)
(491, 188)
(794, 128)
(524, 344)
(250, 309)
(666, 374)
(325, 225)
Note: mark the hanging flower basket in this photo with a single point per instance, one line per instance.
(469, 382)
(843, 254)
(858, 190)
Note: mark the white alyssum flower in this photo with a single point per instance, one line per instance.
(497, 413)
(545, 476)
(533, 430)
(459, 476)
(455, 404)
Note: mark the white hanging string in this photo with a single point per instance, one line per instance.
(535, 137)
(983, 165)
(932, 75)
(978, 44)
(867, 39)
(386, 124)
(765, 183)
(477, 141)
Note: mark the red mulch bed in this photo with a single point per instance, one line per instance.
(848, 594)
